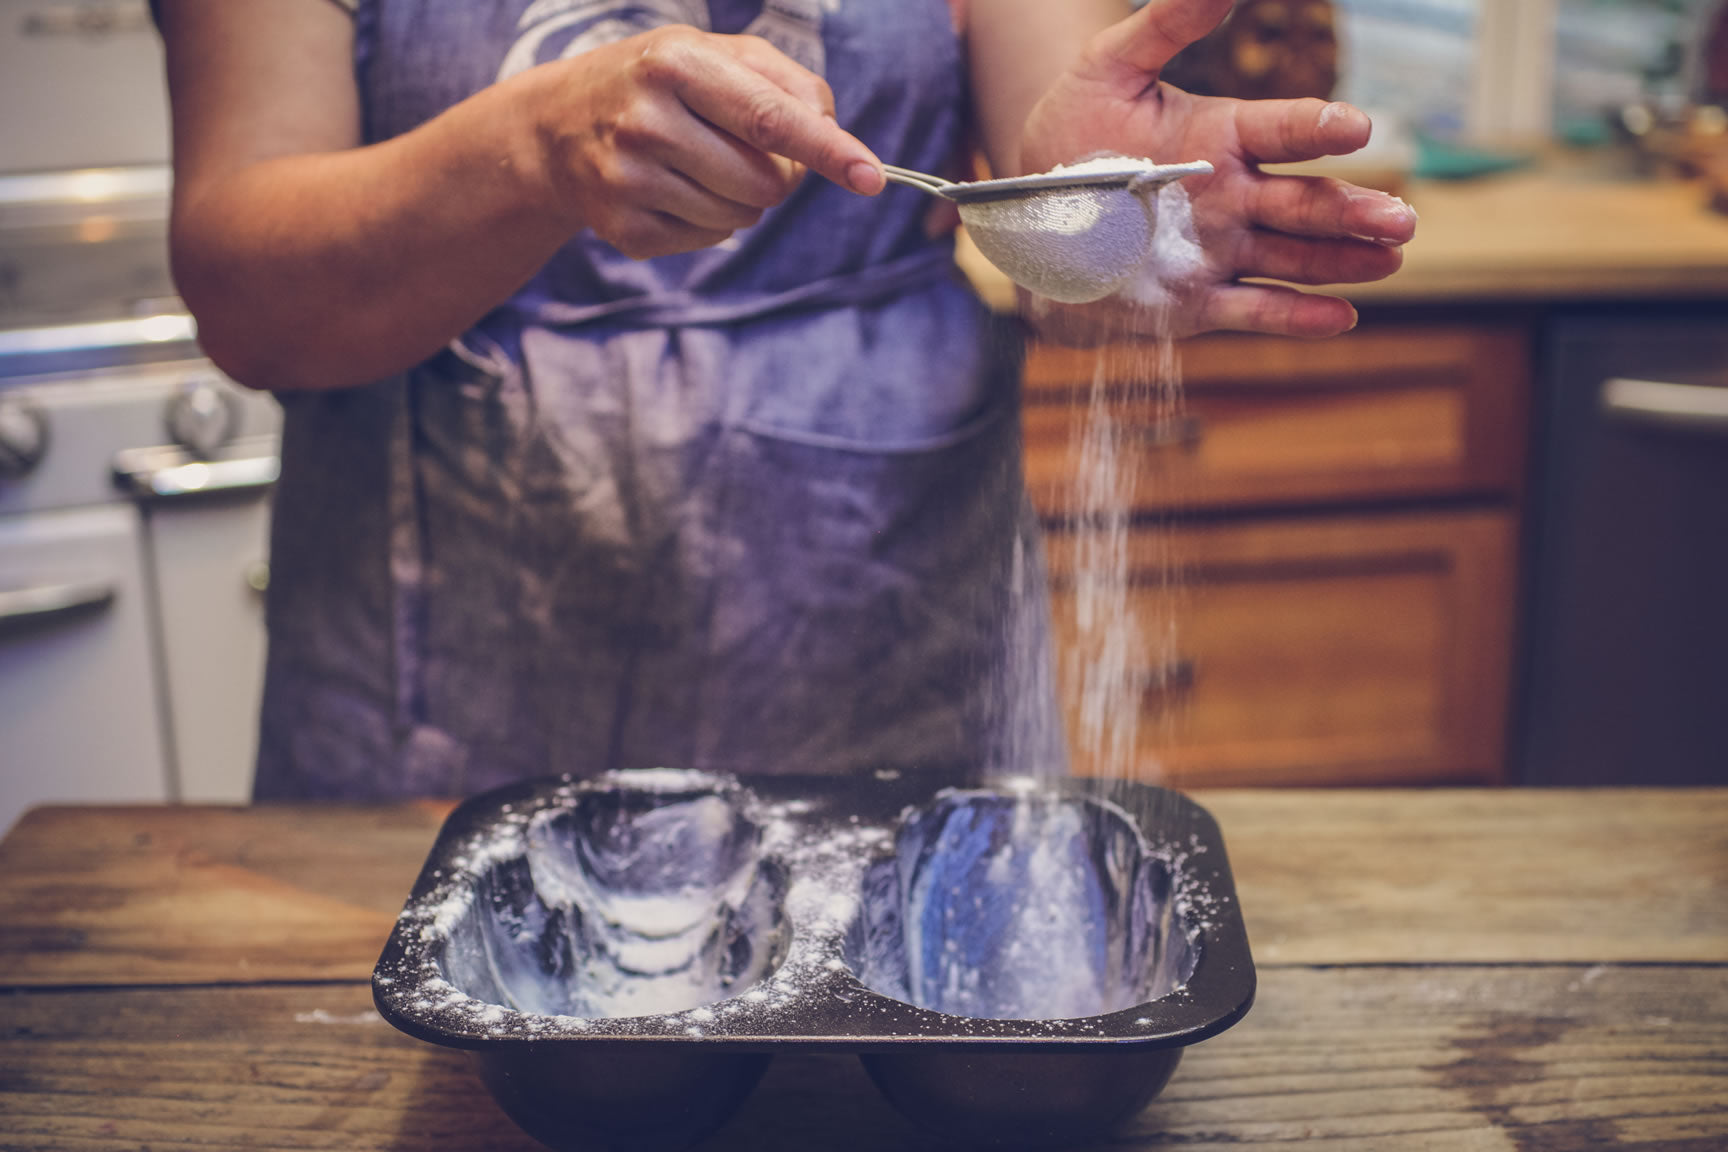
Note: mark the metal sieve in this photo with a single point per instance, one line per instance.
(1074, 234)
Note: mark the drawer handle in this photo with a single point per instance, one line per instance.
(1656, 403)
(1184, 432)
(21, 608)
(1158, 685)
(171, 473)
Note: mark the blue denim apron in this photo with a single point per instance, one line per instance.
(753, 508)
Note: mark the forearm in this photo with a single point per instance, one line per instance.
(1018, 48)
(312, 262)
(330, 269)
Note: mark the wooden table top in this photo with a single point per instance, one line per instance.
(1475, 970)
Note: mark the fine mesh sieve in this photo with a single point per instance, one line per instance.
(1074, 234)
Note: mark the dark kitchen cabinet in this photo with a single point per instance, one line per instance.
(1625, 677)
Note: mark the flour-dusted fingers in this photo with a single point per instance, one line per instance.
(1323, 206)
(1250, 225)
(1288, 131)
(1274, 310)
(1271, 309)
(1310, 260)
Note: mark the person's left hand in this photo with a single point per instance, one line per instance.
(1307, 230)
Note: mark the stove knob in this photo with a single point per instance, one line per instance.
(202, 417)
(23, 436)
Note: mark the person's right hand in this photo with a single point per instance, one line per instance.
(673, 139)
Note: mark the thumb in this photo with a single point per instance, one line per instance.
(1136, 49)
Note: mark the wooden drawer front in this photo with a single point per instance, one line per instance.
(1379, 414)
(1343, 650)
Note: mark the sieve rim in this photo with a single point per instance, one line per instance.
(1138, 175)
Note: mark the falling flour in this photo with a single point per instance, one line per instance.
(1118, 605)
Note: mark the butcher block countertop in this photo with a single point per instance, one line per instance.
(1482, 970)
(1540, 235)
(1548, 233)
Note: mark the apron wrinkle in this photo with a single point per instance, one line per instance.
(751, 508)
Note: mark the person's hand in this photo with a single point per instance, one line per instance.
(673, 139)
(1300, 229)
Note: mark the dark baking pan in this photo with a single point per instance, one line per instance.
(1017, 963)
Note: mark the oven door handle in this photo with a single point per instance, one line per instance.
(172, 474)
(1660, 404)
(141, 332)
(23, 607)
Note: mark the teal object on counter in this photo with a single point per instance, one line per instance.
(1438, 160)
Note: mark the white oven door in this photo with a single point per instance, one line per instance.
(208, 556)
(206, 533)
(79, 706)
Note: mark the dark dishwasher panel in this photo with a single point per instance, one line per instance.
(1626, 668)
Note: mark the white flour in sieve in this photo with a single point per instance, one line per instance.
(1073, 245)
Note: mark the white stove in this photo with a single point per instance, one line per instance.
(133, 517)
(134, 477)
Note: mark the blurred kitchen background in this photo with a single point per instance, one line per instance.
(1480, 539)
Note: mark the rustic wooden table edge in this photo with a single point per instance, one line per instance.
(1446, 969)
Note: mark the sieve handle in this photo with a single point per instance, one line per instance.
(923, 181)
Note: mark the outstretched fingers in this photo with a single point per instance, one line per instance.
(1275, 310)
(1304, 260)
(1146, 41)
(1325, 207)
(1287, 131)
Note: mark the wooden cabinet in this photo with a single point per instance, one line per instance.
(1332, 529)
(1403, 412)
(1337, 649)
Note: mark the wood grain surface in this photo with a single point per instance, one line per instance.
(238, 895)
(1469, 970)
(1480, 876)
(1373, 1058)
(142, 895)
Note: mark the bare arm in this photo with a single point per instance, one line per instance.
(1018, 49)
(312, 262)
